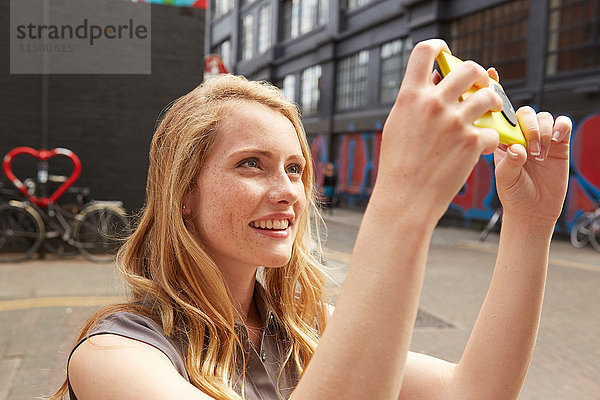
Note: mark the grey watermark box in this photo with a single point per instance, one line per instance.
(80, 37)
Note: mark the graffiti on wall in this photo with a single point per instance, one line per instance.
(320, 156)
(584, 182)
(355, 161)
(180, 3)
(356, 155)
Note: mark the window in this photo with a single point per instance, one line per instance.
(351, 88)
(352, 4)
(264, 28)
(226, 53)
(244, 2)
(290, 19)
(220, 7)
(247, 39)
(323, 12)
(394, 56)
(494, 37)
(289, 87)
(300, 17)
(224, 50)
(311, 90)
(573, 35)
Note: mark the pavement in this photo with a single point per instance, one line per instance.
(44, 302)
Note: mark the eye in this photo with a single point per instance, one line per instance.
(295, 169)
(249, 162)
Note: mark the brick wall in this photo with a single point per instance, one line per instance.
(107, 120)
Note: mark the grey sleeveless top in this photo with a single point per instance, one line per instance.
(262, 379)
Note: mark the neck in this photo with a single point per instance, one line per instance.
(240, 282)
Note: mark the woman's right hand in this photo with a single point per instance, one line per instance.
(430, 145)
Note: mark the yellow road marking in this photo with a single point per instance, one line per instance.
(95, 301)
(345, 257)
(39, 302)
(337, 255)
(551, 261)
(573, 264)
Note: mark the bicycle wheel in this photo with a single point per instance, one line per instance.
(21, 232)
(59, 247)
(57, 238)
(594, 235)
(580, 231)
(98, 231)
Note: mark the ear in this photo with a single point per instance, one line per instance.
(188, 202)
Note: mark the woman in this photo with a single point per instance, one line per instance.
(230, 190)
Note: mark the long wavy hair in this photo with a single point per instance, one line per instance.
(172, 280)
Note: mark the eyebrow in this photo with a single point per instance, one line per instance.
(262, 152)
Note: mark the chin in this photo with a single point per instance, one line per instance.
(277, 261)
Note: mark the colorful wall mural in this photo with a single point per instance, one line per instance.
(178, 3)
(356, 155)
(584, 183)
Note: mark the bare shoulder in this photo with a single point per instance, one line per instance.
(114, 367)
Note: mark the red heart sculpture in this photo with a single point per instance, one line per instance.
(41, 155)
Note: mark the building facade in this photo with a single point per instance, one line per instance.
(342, 62)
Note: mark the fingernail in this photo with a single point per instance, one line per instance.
(534, 148)
(511, 153)
(545, 152)
(555, 136)
(543, 155)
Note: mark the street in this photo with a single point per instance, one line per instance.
(44, 302)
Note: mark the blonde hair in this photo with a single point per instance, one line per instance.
(172, 280)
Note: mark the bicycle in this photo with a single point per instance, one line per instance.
(92, 228)
(495, 220)
(7, 194)
(595, 233)
(587, 230)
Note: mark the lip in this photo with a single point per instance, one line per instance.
(281, 234)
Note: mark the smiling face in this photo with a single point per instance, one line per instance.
(249, 194)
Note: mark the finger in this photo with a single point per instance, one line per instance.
(545, 123)
(530, 128)
(492, 73)
(435, 77)
(480, 102)
(508, 169)
(499, 154)
(563, 127)
(489, 139)
(420, 62)
(463, 78)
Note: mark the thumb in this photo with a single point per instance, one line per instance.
(508, 169)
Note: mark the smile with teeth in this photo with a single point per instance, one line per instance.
(272, 224)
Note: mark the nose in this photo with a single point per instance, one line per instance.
(284, 190)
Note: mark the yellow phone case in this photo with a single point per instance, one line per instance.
(505, 121)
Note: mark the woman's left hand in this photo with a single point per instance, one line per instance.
(532, 183)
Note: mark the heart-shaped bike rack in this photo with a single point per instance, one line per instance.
(41, 155)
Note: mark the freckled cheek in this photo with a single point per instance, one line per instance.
(229, 205)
